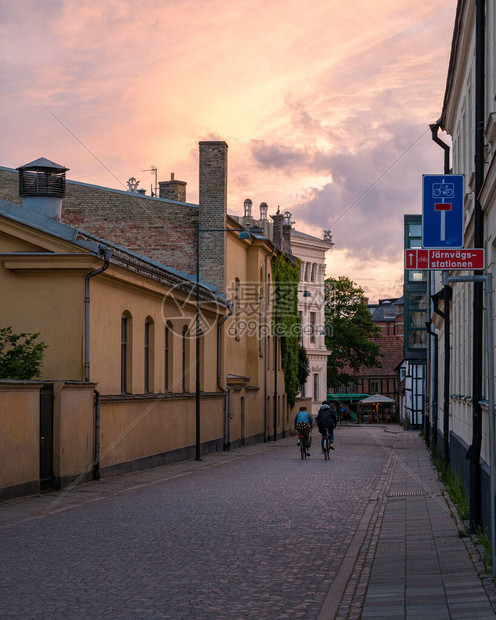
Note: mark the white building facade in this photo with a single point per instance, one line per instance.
(312, 252)
(469, 104)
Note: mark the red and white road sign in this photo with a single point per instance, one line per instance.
(444, 259)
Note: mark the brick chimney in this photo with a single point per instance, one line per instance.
(277, 229)
(172, 190)
(213, 213)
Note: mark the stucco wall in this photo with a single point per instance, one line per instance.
(135, 429)
(20, 435)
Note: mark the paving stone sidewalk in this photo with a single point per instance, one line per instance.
(411, 561)
(215, 540)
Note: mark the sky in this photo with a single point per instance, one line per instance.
(325, 105)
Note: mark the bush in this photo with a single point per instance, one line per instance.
(20, 356)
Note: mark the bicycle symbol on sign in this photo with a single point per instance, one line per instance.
(443, 190)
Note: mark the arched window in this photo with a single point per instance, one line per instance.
(261, 327)
(237, 309)
(149, 356)
(126, 352)
(168, 357)
(185, 359)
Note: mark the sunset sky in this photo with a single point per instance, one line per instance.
(324, 104)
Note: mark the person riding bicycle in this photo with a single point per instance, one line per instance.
(303, 424)
(327, 419)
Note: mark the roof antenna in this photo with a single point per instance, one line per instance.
(153, 170)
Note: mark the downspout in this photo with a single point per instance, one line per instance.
(428, 324)
(474, 451)
(227, 392)
(276, 363)
(107, 254)
(446, 316)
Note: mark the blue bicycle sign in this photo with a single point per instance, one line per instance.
(442, 210)
(443, 190)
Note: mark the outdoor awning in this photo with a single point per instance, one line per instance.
(377, 398)
(345, 398)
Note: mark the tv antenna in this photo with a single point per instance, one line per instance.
(153, 170)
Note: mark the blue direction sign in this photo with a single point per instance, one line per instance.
(442, 210)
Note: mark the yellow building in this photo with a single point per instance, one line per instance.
(121, 333)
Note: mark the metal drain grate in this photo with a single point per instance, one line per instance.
(402, 493)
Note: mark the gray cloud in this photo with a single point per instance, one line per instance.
(363, 203)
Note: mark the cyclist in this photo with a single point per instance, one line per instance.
(303, 424)
(327, 419)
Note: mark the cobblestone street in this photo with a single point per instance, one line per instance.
(253, 533)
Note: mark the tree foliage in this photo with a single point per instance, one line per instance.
(20, 356)
(286, 321)
(349, 332)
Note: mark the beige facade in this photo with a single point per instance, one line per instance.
(127, 356)
(311, 251)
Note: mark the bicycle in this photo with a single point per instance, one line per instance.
(326, 444)
(303, 446)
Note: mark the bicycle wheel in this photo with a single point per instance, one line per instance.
(303, 448)
(326, 447)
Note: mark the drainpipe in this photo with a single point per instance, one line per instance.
(276, 363)
(107, 254)
(96, 459)
(227, 394)
(432, 333)
(446, 316)
(474, 451)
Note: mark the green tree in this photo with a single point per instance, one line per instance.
(349, 332)
(20, 356)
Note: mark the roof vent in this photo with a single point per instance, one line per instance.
(42, 186)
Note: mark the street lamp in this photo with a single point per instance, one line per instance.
(243, 234)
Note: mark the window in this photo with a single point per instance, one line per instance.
(185, 359)
(148, 370)
(126, 332)
(312, 326)
(167, 358)
(374, 387)
(124, 354)
(236, 308)
(316, 386)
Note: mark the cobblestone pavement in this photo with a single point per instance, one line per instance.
(253, 533)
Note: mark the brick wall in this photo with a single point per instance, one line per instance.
(153, 228)
(9, 186)
(213, 212)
